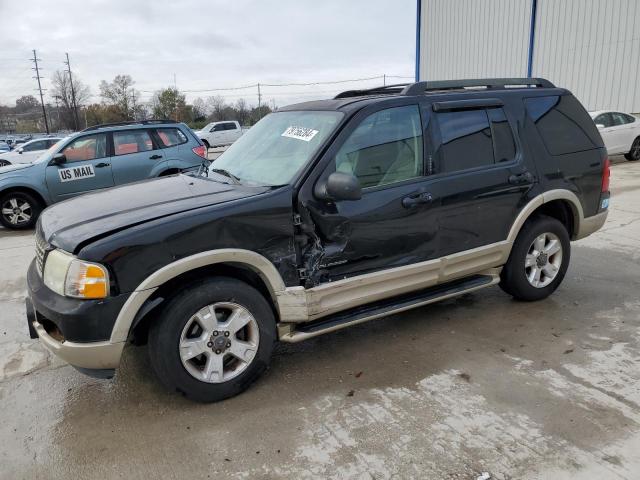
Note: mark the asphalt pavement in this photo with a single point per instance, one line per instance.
(481, 383)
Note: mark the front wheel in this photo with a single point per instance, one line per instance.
(19, 210)
(634, 153)
(213, 339)
(538, 261)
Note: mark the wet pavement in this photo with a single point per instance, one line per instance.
(477, 384)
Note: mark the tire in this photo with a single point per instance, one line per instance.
(519, 277)
(184, 322)
(27, 203)
(4, 163)
(634, 153)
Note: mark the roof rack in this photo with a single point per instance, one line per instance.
(489, 83)
(420, 88)
(385, 89)
(137, 122)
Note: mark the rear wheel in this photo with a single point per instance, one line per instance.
(634, 153)
(19, 210)
(214, 338)
(539, 259)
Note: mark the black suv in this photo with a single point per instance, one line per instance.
(323, 215)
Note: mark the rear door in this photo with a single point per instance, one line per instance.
(87, 167)
(479, 175)
(135, 154)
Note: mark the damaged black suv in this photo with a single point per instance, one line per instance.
(323, 215)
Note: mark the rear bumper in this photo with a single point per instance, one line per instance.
(591, 224)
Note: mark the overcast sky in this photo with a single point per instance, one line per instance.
(208, 44)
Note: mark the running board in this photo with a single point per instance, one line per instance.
(387, 307)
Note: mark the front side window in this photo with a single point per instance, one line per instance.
(218, 128)
(33, 146)
(131, 141)
(276, 148)
(385, 148)
(604, 119)
(170, 137)
(89, 147)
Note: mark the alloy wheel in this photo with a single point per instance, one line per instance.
(16, 211)
(543, 260)
(219, 342)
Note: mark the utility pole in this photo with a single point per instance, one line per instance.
(259, 103)
(37, 77)
(73, 94)
(57, 99)
(175, 98)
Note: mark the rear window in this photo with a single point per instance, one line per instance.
(563, 124)
(170, 137)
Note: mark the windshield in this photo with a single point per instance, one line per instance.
(277, 147)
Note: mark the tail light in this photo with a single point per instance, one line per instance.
(606, 175)
(201, 151)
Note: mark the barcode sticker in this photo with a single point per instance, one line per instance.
(300, 133)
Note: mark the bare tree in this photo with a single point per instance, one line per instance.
(242, 111)
(120, 93)
(61, 91)
(217, 106)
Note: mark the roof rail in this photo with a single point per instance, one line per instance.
(137, 122)
(384, 89)
(419, 88)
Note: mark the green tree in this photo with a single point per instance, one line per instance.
(27, 103)
(170, 103)
(119, 93)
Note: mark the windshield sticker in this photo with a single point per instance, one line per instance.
(76, 173)
(300, 133)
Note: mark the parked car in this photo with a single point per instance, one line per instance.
(4, 147)
(96, 158)
(325, 214)
(28, 152)
(218, 134)
(620, 132)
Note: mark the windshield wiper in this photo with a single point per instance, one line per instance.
(226, 173)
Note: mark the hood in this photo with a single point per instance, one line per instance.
(14, 168)
(68, 224)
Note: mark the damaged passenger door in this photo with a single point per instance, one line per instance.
(393, 223)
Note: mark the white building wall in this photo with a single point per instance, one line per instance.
(474, 38)
(591, 47)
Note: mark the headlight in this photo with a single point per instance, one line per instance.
(69, 276)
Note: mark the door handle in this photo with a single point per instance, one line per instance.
(155, 157)
(521, 178)
(416, 199)
(102, 165)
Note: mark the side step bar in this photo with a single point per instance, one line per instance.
(388, 307)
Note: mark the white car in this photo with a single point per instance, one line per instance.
(28, 151)
(620, 132)
(218, 134)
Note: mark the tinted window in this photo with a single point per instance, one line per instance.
(131, 141)
(171, 136)
(218, 128)
(385, 148)
(230, 126)
(86, 148)
(563, 124)
(621, 118)
(39, 145)
(628, 118)
(465, 140)
(604, 119)
(504, 146)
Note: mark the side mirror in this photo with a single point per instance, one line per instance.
(599, 125)
(20, 150)
(58, 159)
(339, 186)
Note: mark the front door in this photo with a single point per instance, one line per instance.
(394, 222)
(87, 167)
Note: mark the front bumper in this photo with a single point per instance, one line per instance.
(77, 331)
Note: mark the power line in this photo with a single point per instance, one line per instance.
(37, 77)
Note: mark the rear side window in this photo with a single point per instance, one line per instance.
(131, 141)
(621, 118)
(170, 137)
(473, 138)
(563, 124)
(230, 126)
